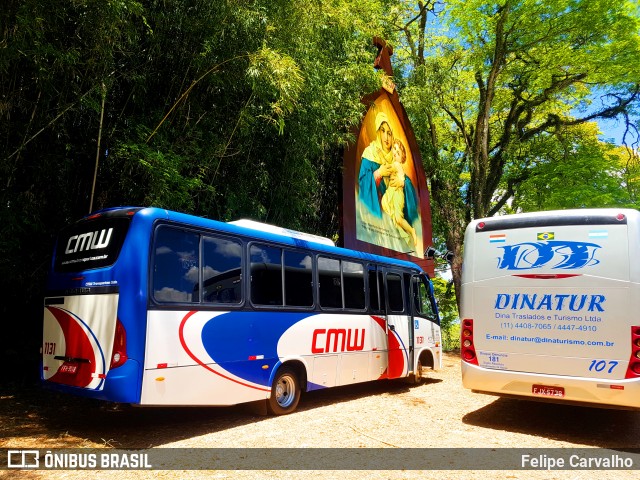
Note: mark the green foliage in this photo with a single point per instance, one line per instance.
(494, 90)
(572, 169)
(278, 76)
(448, 310)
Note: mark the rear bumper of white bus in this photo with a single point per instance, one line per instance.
(587, 391)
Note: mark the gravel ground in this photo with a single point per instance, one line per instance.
(390, 415)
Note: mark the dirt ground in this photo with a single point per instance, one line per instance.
(437, 414)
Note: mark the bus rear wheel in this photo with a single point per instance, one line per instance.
(285, 393)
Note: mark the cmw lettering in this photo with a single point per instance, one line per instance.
(341, 338)
(89, 241)
(553, 253)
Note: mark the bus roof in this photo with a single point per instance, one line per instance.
(584, 216)
(266, 227)
(256, 230)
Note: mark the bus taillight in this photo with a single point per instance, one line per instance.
(467, 348)
(119, 355)
(633, 370)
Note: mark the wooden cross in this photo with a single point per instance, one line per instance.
(383, 60)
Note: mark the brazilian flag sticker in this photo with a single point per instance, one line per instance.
(546, 236)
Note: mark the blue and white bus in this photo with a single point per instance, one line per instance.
(152, 307)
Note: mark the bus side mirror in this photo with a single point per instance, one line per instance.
(430, 252)
(449, 256)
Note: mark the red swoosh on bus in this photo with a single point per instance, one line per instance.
(395, 355)
(77, 345)
(547, 276)
(202, 364)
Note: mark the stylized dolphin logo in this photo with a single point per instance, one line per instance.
(554, 254)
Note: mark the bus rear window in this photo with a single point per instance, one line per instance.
(90, 244)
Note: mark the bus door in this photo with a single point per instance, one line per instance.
(408, 285)
(379, 332)
(424, 314)
(399, 328)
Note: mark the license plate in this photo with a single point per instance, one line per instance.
(547, 391)
(67, 368)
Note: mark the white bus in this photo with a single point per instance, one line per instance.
(550, 306)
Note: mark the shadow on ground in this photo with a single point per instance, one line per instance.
(35, 417)
(589, 426)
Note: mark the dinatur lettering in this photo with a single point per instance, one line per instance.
(548, 301)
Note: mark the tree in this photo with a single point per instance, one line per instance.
(448, 311)
(573, 169)
(54, 58)
(224, 109)
(494, 78)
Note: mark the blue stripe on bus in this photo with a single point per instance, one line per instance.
(260, 332)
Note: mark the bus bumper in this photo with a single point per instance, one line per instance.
(584, 391)
(122, 385)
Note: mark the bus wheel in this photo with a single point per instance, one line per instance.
(285, 393)
(417, 379)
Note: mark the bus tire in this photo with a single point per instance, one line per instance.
(417, 377)
(285, 392)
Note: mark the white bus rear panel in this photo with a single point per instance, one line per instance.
(550, 304)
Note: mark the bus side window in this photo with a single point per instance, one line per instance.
(353, 279)
(329, 282)
(176, 266)
(298, 279)
(221, 270)
(374, 293)
(422, 298)
(415, 295)
(266, 275)
(394, 292)
(382, 291)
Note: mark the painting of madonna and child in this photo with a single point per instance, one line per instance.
(387, 201)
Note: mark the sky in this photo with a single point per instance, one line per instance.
(612, 131)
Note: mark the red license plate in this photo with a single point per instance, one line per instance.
(67, 368)
(547, 391)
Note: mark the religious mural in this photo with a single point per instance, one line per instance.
(387, 203)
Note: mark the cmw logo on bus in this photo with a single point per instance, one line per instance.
(89, 241)
(553, 254)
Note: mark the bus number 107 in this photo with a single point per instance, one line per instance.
(600, 365)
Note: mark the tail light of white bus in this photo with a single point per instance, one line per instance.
(467, 347)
